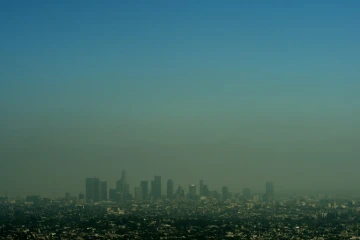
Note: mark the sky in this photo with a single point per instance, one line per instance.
(235, 93)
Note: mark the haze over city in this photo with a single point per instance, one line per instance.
(236, 94)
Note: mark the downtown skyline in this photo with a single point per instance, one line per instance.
(234, 93)
(97, 190)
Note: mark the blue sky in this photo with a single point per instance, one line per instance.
(198, 70)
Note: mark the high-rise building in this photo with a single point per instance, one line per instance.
(138, 194)
(103, 191)
(192, 191)
(170, 189)
(204, 190)
(120, 186)
(225, 193)
(92, 189)
(156, 187)
(180, 194)
(269, 195)
(116, 196)
(145, 189)
(201, 188)
(123, 187)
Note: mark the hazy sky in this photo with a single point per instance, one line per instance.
(232, 92)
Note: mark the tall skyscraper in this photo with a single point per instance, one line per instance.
(123, 187)
(169, 189)
(180, 194)
(204, 190)
(92, 189)
(138, 194)
(192, 191)
(145, 189)
(225, 193)
(120, 186)
(201, 188)
(103, 191)
(269, 191)
(156, 187)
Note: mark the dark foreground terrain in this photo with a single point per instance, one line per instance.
(297, 218)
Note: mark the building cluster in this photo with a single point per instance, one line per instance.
(96, 191)
(200, 213)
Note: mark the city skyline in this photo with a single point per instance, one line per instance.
(242, 188)
(237, 93)
(179, 119)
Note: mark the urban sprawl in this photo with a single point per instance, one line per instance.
(203, 214)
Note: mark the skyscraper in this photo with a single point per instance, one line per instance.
(92, 189)
(145, 189)
(192, 191)
(123, 187)
(204, 190)
(180, 194)
(169, 189)
(156, 187)
(201, 188)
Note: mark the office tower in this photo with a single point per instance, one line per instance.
(115, 196)
(120, 186)
(156, 187)
(123, 187)
(103, 191)
(192, 191)
(138, 194)
(180, 194)
(269, 195)
(204, 190)
(225, 193)
(247, 193)
(201, 190)
(145, 189)
(169, 189)
(92, 189)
